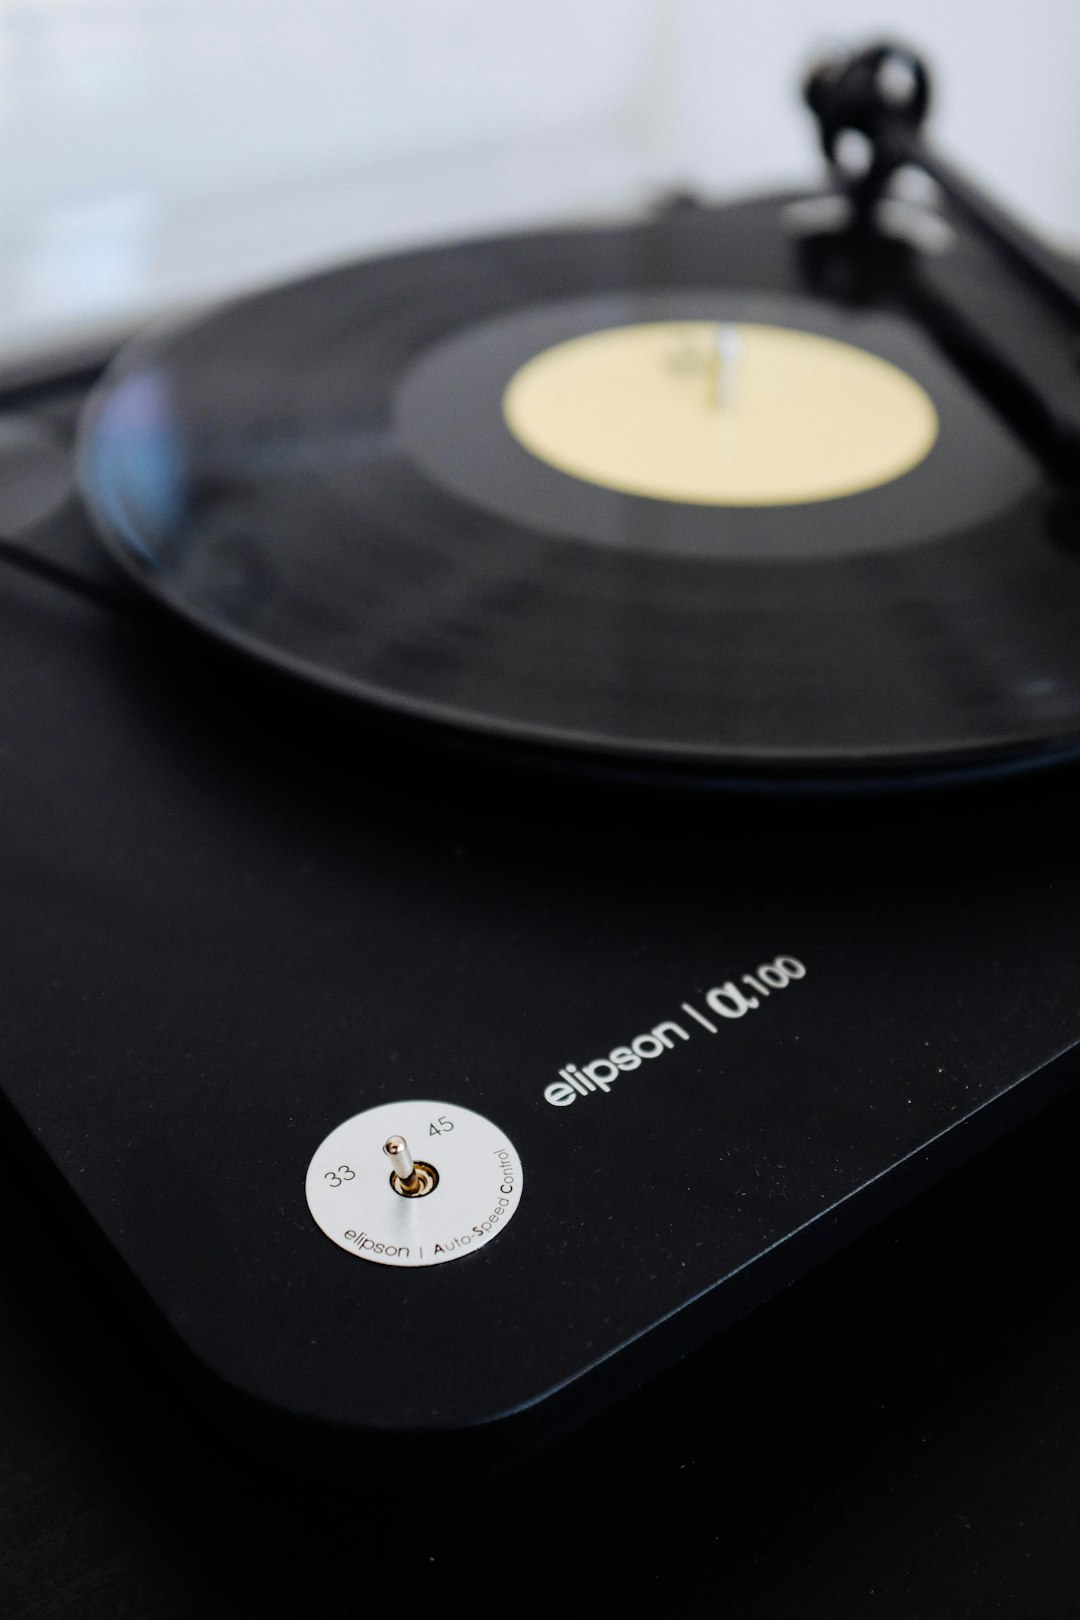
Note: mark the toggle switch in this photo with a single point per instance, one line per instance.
(427, 1210)
(409, 1178)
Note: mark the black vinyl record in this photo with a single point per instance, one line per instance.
(324, 476)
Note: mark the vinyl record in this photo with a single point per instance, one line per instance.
(645, 495)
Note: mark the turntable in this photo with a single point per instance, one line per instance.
(551, 809)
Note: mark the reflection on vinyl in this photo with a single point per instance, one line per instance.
(656, 496)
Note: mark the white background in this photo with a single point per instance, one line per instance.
(160, 151)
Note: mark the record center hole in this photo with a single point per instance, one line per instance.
(425, 1179)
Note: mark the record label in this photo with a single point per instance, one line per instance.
(721, 413)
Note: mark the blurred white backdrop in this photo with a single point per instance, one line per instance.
(156, 152)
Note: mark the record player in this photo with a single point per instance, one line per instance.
(540, 790)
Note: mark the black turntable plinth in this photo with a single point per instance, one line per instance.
(486, 909)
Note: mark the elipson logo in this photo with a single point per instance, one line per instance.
(724, 1002)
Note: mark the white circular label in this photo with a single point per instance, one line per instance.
(352, 1196)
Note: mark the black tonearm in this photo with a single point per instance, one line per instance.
(871, 107)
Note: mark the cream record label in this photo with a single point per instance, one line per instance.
(721, 413)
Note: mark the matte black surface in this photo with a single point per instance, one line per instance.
(321, 476)
(238, 912)
(233, 919)
(898, 1436)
